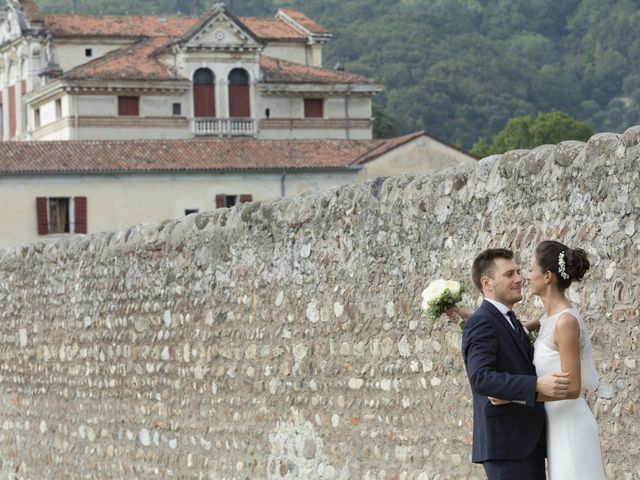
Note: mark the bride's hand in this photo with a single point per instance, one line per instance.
(498, 401)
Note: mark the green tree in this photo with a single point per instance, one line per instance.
(527, 132)
(384, 126)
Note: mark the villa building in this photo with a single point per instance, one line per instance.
(81, 77)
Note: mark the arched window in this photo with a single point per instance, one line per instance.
(204, 98)
(239, 99)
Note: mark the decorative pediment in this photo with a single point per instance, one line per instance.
(220, 30)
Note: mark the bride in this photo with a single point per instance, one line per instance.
(573, 445)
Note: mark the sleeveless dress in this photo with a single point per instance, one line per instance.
(573, 445)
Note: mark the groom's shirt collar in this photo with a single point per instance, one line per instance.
(503, 309)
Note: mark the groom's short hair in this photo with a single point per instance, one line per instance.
(484, 264)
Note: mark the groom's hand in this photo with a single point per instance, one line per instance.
(553, 385)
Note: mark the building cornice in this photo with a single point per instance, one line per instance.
(109, 87)
(319, 90)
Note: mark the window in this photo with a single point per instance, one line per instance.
(226, 201)
(204, 95)
(313, 108)
(128, 106)
(177, 109)
(189, 211)
(239, 94)
(88, 52)
(59, 108)
(61, 215)
(36, 118)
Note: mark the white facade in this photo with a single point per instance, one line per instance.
(119, 201)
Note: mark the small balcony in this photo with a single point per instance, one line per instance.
(224, 126)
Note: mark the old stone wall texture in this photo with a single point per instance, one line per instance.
(284, 340)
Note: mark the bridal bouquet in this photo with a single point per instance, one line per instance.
(440, 296)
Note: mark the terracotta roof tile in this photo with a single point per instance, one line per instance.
(133, 62)
(31, 10)
(303, 20)
(272, 29)
(118, 25)
(134, 156)
(281, 71)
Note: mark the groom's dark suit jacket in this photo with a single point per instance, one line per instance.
(499, 365)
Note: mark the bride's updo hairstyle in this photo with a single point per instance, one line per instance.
(567, 264)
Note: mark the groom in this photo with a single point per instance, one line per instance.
(509, 439)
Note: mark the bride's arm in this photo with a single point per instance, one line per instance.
(567, 338)
(532, 325)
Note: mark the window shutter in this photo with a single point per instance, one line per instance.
(41, 215)
(313, 108)
(129, 106)
(220, 201)
(246, 198)
(80, 206)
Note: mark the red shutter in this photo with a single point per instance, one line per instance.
(129, 106)
(12, 111)
(42, 216)
(24, 105)
(204, 101)
(239, 105)
(246, 198)
(80, 206)
(313, 108)
(220, 201)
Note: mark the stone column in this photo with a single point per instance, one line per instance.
(18, 91)
(5, 96)
(222, 98)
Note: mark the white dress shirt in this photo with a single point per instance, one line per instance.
(503, 310)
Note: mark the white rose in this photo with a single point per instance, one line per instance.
(453, 286)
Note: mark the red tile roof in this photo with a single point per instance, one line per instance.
(303, 20)
(281, 71)
(138, 62)
(31, 10)
(272, 29)
(133, 62)
(118, 25)
(150, 26)
(196, 155)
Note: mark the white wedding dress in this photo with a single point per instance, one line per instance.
(573, 445)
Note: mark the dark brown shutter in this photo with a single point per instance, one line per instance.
(12, 111)
(128, 106)
(246, 198)
(41, 215)
(80, 205)
(220, 201)
(313, 108)
(204, 101)
(239, 103)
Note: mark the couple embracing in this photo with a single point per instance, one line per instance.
(531, 402)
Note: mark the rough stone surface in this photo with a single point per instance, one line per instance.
(284, 340)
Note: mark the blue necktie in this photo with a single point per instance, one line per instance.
(517, 326)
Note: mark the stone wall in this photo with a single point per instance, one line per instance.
(284, 340)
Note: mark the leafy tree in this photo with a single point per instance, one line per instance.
(384, 126)
(527, 132)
